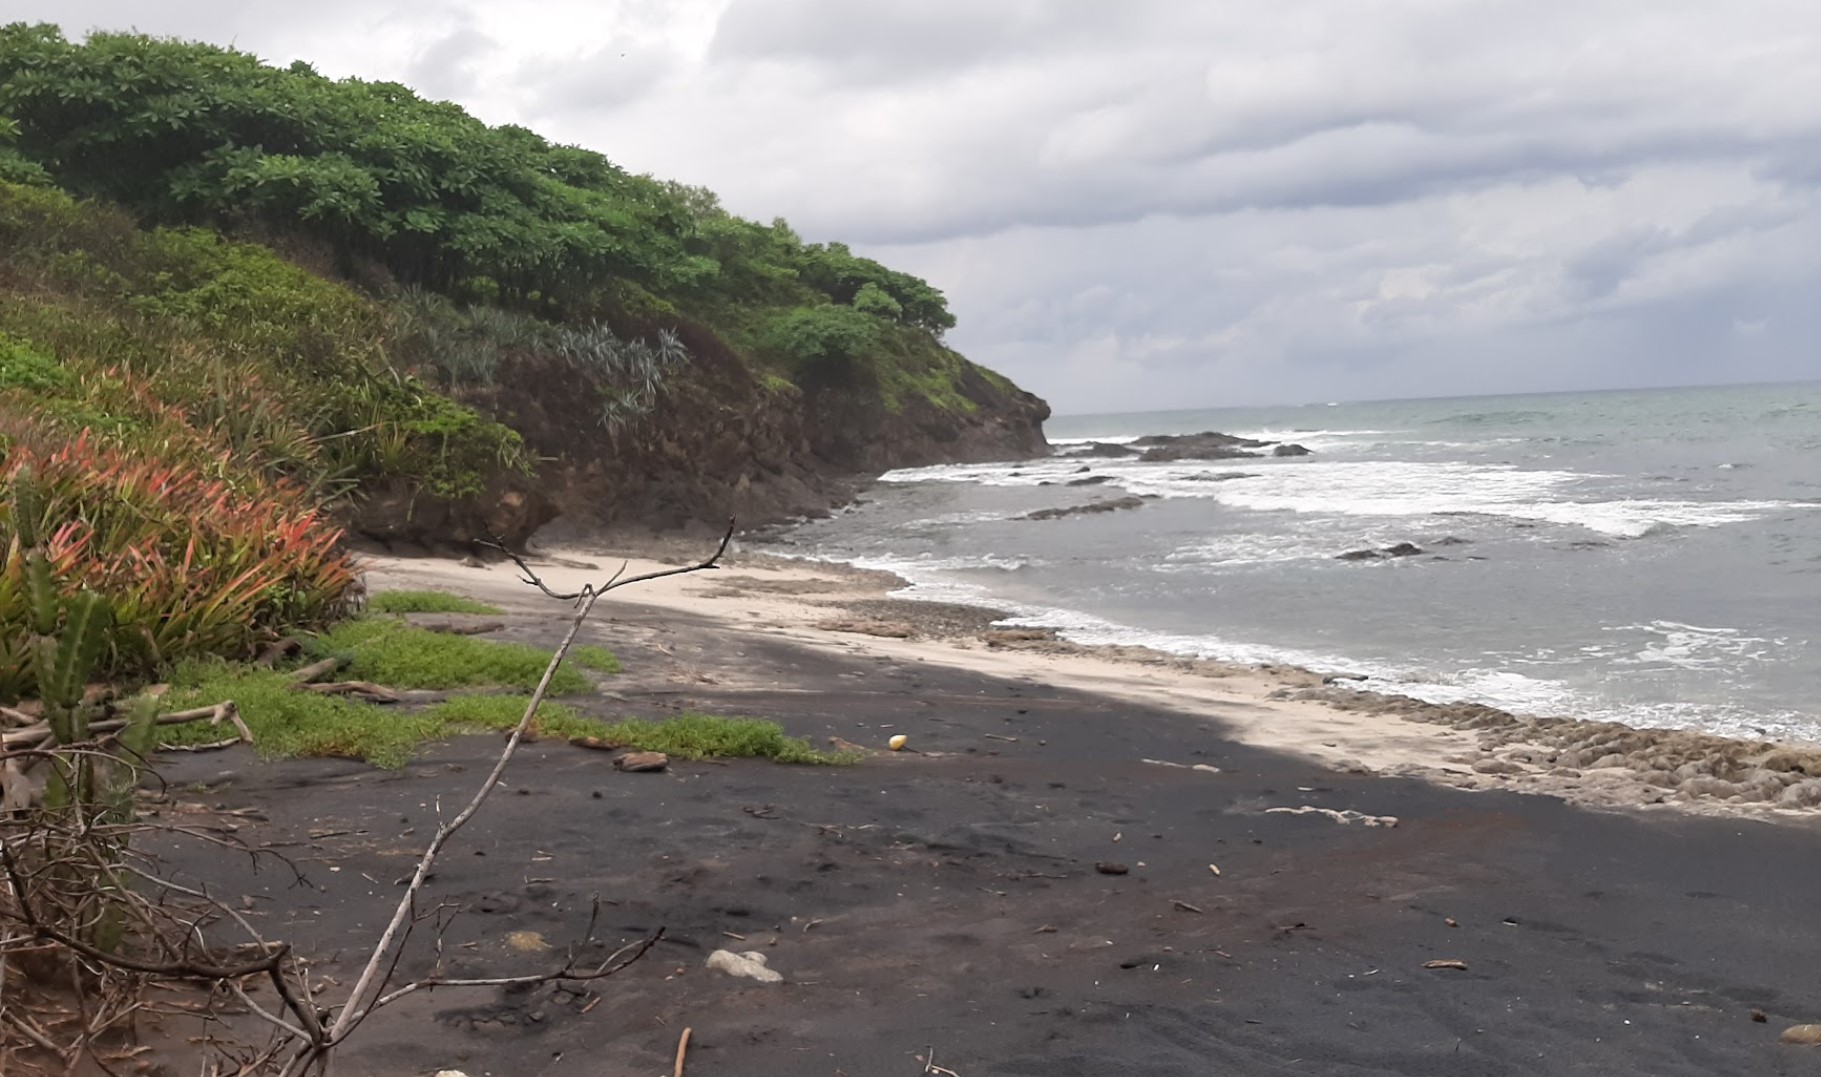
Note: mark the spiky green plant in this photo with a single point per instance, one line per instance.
(66, 641)
(90, 785)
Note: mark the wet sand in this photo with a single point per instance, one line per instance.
(952, 899)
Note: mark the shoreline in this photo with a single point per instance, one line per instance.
(837, 608)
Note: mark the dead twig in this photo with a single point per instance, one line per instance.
(569, 973)
(682, 1049)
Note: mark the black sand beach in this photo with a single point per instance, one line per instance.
(951, 900)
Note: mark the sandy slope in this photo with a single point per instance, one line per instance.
(838, 610)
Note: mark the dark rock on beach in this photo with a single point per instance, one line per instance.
(1091, 480)
(1291, 448)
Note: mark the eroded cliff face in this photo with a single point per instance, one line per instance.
(720, 442)
(855, 431)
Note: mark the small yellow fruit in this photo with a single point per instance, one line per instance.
(898, 742)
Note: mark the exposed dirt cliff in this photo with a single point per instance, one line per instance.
(720, 441)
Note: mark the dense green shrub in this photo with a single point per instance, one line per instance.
(821, 342)
(190, 564)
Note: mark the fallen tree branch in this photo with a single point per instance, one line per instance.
(567, 974)
(367, 690)
(456, 628)
(316, 671)
(225, 711)
(174, 970)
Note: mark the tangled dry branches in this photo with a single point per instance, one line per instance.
(89, 925)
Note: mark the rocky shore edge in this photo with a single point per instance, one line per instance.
(1599, 763)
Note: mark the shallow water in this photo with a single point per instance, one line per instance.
(1652, 557)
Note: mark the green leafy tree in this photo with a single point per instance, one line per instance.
(822, 343)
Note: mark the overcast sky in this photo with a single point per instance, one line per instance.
(1173, 203)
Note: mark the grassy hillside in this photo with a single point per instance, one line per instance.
(490, 218)
(233, 296)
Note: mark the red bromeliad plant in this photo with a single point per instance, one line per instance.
(192, 564)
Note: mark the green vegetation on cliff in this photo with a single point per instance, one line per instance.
(487, 216)
(237, 299)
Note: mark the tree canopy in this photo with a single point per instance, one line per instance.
(192, 133)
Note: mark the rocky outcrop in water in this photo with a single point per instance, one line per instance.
(1105, 450)
(1402, 549)
(1091, 507)
(1207, 445)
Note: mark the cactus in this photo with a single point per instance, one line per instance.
(67, 640)
(66, 644)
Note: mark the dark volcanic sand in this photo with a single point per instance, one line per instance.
(906, 901)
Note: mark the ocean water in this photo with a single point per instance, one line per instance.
(1651, 557)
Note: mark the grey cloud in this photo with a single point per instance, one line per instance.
(610, 77)
(447, 67)
(878, 43)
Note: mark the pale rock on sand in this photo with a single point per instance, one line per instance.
(750, 964)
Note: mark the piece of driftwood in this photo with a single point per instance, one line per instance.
(367, 690)
(216, 714)
(316, 671)
(460, 628)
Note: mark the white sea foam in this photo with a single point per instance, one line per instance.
(929, 580)
(1106, 439)
(1684, 646)
(1251, 548)
(1381, 488)
(1323, 441)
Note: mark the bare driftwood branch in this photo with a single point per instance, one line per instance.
(216, 714)
(460, 628)
(591, 591)
(569, 973)
(367, 690)
(174, 970)
(368, 993)
(316, 671)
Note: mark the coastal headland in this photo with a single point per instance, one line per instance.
(1082, 863)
